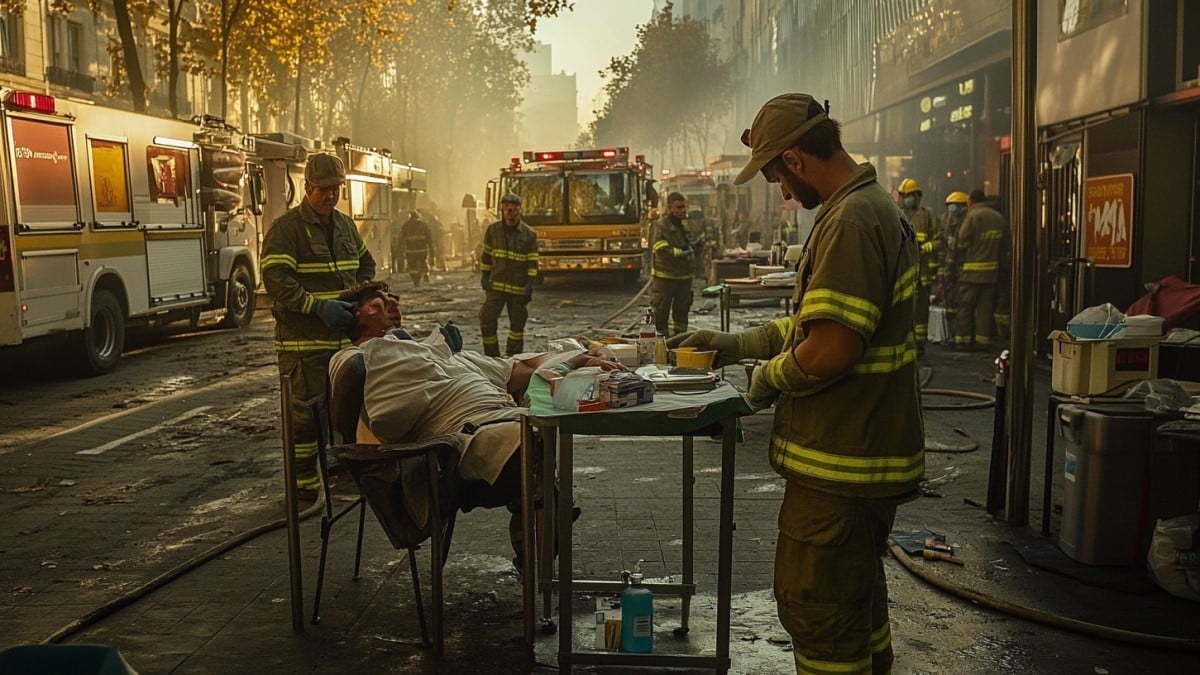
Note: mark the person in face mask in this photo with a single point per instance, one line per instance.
(931, 241)
(956, 209)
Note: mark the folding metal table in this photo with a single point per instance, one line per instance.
(671, 414)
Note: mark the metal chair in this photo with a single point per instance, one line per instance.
(411, 488)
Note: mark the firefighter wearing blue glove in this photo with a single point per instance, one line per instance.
(842, 377)
(509, 265)
(310, 255)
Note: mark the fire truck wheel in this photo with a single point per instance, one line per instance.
(239, 298)
(98, 347)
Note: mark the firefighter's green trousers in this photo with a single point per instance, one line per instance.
(489, 316)
(671, 300)
(308, 373)
(830, 588)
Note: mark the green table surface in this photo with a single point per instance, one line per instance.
(670, 414)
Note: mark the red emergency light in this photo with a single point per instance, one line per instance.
(514, 164)
(571, 155)
(27, 100)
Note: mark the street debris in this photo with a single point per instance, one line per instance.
(15, 590)
(24, 489)
(66, 483)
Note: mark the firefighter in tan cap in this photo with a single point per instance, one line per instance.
(310, 255)
(932, 243)
(847, 355)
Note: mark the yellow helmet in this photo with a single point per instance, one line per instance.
(907, 186)
(957, 198)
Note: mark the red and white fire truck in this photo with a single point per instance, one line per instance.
(110, 219)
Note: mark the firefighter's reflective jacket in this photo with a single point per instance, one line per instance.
(510, 257)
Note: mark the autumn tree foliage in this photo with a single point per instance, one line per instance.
(670, 93)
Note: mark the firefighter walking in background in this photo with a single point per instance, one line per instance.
(310, 255)
(930, 241)
(509, 264)
(415, 240)
(983, 247)
(672, 266)
(956, 210)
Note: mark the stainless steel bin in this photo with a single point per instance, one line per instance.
(1105, 481)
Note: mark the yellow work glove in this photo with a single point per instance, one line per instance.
(726, 345)
(927, 247)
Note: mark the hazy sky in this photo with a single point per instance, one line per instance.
(585, 39)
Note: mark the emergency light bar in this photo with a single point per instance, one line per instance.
(28, 100)
(568, 155)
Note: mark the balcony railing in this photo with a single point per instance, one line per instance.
(70, 78)
(12, 64)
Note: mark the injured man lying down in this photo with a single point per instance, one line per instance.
(417, 389)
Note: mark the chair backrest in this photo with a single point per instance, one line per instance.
(346, 386)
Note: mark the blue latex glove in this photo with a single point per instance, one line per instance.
(337, 314)
(528, 292)
(453, 336)
(485, 282)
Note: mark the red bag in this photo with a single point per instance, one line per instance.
(1172, 298)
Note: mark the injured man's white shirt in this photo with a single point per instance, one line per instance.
(416, 390)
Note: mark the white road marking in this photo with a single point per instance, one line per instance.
(247, 406)
(138, 434)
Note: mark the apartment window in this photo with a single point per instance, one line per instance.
(66, 44)
(11, 52)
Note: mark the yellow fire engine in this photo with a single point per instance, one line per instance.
(110, 218)
(587, 206)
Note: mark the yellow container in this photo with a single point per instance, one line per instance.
(688, 357)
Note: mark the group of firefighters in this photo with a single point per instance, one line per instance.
(964, 266)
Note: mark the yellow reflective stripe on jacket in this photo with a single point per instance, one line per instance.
(508, 288)
(277, 259)
(981, 266)
(798, 459)
(886, 358)
(811, 666)
(307, 305)
(325, 295)
(661, 244)
(859, 313)
(532, 273)
(513, 255)
(331, 266)
(310, 345)
(905, 286)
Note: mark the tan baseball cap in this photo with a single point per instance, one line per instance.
(324, 170)
(778, 125)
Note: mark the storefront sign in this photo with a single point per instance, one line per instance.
(1108, 217)
(948, 105)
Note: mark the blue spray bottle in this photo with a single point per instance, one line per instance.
(637, 614)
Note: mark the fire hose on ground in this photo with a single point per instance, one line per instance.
(128, 598)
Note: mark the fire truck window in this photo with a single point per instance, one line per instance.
(169, 173)
(597, 197)
(41, 153)
(541, 198)
(110, 183)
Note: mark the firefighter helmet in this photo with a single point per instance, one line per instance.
(957, 198)
(908, 186)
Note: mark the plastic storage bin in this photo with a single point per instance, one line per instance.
(1119, 477)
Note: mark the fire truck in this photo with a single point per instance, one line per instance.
(111, 219)
(588, 208)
